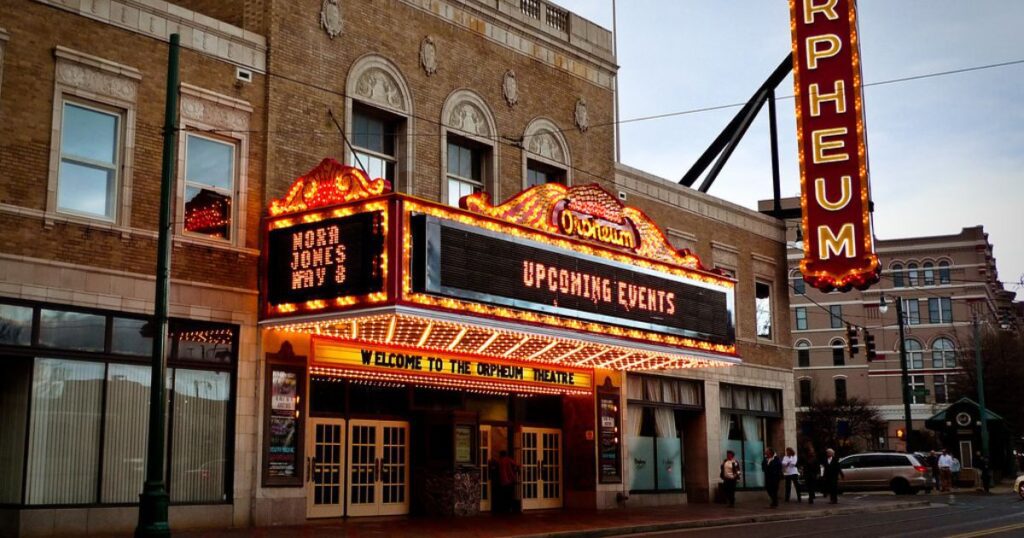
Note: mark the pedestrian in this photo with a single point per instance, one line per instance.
(933, 464)
(812, 470)
(494, 479)
(955, 469)
(986, 473)
(730, 474)
(791, 473)
(945, 469)
(772, 467)
(508, 473)
(832, 473)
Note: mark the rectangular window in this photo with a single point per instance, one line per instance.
(838, 353)
(801, 319)
(465, 169)
(803, 356)
(209, 186)
(918, 390)
(940, 310)
(840, 390)
(941, 394)
(199, 425)
(15, 325)
(805, 393)
(763, 306)
(125, 433)
(836, 316)
(799, 286)
(89, 160)
(943, 272)
(911, 312)
(76, 331)
(538, 173)
(374, 137)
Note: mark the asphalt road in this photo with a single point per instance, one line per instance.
(962, 516)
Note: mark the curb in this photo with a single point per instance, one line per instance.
(721, 522)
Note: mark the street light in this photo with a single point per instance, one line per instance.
(883, 308)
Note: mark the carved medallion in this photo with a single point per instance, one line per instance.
(580, 115)
(330, 18)
(428, 55)
(510, 88)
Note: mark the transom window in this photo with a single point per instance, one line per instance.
(465, 169)
(915, 354)
(209, 186)
(374, 141)
(90, 140)
(943, 354)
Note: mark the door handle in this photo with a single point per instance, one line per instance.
(378, 468)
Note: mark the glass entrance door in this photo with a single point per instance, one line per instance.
(378, 468)
(540, 462)
(325, 481)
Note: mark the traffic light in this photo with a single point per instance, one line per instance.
(900, 434)
(851, 340)
(869, 345)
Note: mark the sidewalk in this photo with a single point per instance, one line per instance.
(575, 523)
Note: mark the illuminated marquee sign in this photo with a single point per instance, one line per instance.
(838, 241)
(415, 365)
(468, 262)
(325, 259)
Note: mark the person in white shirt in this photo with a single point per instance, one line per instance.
(790, 472)
(945, 470)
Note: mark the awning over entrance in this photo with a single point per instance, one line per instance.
(556, 277)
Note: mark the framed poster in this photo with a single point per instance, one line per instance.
(609, 448)
(283, 424)
(463, 443)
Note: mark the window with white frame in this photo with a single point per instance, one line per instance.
(375, 141)
(943, 272)
(912, 274)
(465, 168)
(210, 186)
(929, 274)
(90, 157)
(943, 353)
(911, 311)
(836, 316)
(918, 390)
(838, 346)
(940, 310)
(915, 354)
(763, 307)
(801, 318)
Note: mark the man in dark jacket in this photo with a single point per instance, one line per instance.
(833, 472)
(812, 470)
(772, 467)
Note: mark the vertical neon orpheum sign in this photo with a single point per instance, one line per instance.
(838, 241)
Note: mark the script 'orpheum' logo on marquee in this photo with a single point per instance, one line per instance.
(587, 215)
(835, 195)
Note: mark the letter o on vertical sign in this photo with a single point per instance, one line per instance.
(835, 197)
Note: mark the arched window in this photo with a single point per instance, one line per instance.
(838, 346)
(803, 354)
(943, 354)
(929, 274)
(943, 272)
(912, 274)
(897, 275)
(379, 116)
(805, 393)
(840, 383)
(799, 286)
(915, 354)
(546, 157)
(468, 159)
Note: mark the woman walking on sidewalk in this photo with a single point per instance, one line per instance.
(791, 473)
(730, 474)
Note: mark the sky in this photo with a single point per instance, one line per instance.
(945, 152)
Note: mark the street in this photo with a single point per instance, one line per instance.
(968, 516)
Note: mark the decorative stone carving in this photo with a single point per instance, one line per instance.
(379, 86)
(546, 145)
(580, 115)
(467, 117)
(330, 18)
(510, 88)
(428, 55)
(96, 81)
(213, 114)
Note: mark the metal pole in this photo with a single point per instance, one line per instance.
(776, 185)
(905, 376)
(154, 500)
(615, 52)
(981, 390)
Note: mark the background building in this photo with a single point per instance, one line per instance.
(944, 282)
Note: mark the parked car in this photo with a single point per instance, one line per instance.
(904, 474)
(1018, 486)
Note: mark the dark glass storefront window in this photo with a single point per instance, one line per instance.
(203, 342)
(132, 337)
(372, 400)
(15, 325)
(77, 331)
(748, 414)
